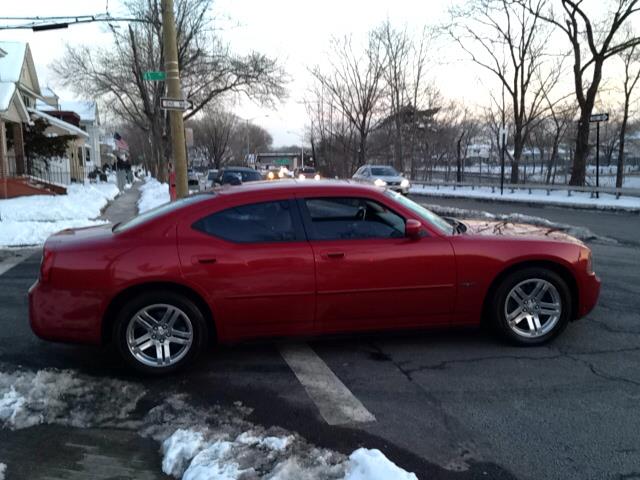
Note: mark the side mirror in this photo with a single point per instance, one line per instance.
(412, 229)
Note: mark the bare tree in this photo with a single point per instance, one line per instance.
(509, 41)
(592, 44)
(631, 60)
(352, 85)
(209, 69)
(212, 132)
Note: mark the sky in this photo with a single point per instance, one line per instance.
(296, 32)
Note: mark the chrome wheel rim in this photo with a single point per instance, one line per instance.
(159, 335)
(533, 307)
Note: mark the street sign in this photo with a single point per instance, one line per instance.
(599, 117)
(154, 76)
(175, 104)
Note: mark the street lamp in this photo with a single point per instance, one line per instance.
(247, 120)
(301, 136)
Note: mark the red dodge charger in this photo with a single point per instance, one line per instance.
(300, 258)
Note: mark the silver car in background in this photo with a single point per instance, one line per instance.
(383, 176)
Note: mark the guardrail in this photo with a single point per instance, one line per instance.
(618, 192)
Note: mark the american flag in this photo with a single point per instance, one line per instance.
(120, 143)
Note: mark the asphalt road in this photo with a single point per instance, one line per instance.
(448, 404)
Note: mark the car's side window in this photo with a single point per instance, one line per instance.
(348, 218)
(365, 172)
(252, 223)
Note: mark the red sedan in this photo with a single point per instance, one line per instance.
(300, 258)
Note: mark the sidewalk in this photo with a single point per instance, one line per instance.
(124, 207)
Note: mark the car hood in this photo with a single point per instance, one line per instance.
(397, 178)
(509, 229)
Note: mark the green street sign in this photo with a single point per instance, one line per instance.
(282, 161)
(154, 76)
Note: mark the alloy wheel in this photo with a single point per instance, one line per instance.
(533, 308)
(159, 335)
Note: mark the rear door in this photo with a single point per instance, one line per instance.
(256, 266)
(368, 274)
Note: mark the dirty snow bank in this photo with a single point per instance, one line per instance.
(152, 194)
(219, 443)
(3, 470)
(64, 397)
(581, 233)
(29, 220)
(197, 442)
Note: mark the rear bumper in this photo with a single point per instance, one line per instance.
(589, 293)
(65, 316)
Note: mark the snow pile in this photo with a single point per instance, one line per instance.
(197, 442)
(29, 220)
(581, 233)
(64, 397)
(152, 194)
(219, 443)
(3, 470)
(555, 197)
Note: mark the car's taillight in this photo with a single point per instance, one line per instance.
(45, 265)
(590, 263)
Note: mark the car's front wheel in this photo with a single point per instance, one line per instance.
(159, 332)
(531, 306)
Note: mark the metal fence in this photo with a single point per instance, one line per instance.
(530, 187)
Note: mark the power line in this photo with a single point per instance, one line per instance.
(58, 22)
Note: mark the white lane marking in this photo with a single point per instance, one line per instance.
(334, 400)
(10, 262)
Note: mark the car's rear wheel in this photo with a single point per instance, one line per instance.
(531, 306)
(160, 332)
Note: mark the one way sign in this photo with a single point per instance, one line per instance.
(599, 117)
(175, 104)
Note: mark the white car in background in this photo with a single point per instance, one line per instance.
(383, 176)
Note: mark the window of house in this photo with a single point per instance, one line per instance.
(253, 223)
(339, 218)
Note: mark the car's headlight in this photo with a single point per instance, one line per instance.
(404, 183)
(301, 177)
(316, 177)
(379, 182)
(270, 176)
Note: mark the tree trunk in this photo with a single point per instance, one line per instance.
(459, 159)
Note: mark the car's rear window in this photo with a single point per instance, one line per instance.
(161, 210)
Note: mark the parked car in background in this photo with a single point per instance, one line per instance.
(194, 181)
(211, 177)
(237, 176)
(383, 176)
(299, 258)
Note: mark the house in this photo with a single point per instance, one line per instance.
(89, 122)
(19, 93)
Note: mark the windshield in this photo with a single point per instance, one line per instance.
(384, 171)
(159, 211)
(438, 222)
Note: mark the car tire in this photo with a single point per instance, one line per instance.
(161, 332)
(531, 306)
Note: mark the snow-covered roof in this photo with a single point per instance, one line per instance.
(87, 110)
(59, 123)
(11, 63)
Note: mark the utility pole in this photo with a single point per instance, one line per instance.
(597, 118)
(174, 91)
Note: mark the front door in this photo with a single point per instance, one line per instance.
(368, 274)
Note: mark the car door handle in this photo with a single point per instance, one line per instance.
(334, 255)
(203, 259)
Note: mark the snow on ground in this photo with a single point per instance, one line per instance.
(29, 220)
(557, 197)
(581, 233)
(63, 397)
(3, 469)
(152, 194)
(197, 442)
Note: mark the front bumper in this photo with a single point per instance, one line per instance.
(64, 315)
